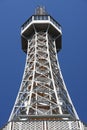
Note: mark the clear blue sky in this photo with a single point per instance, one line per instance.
(72, 15)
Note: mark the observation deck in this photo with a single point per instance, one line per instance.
(41, 22)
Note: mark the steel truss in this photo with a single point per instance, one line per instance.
(42, 91)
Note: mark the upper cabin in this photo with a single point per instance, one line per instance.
(41, 21)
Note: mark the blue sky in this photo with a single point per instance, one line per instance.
(72, 15)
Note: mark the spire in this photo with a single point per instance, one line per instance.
(40, 10)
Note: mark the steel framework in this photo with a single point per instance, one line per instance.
(42, 91)
(43, 102)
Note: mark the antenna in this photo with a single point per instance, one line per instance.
(40, 10)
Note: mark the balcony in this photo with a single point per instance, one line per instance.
(41, 18)
(41, 23)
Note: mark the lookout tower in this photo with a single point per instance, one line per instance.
(43, 102)
(42, 92)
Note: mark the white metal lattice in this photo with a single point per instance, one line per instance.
(42, 91)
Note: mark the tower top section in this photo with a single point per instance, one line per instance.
(41, 21)
(40, 11)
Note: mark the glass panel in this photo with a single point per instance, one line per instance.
(41, 17)
(35, 17)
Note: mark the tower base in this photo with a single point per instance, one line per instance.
(44, 123)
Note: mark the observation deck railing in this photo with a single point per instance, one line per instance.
(40, 17)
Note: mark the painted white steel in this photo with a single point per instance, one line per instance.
(41, 22)
(33, 100)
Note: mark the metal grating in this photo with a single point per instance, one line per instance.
(63, 125)
(55, 125)
(32, 125)
(45, 125)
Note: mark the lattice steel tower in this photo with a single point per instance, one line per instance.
(42, 92)
(43, 102)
